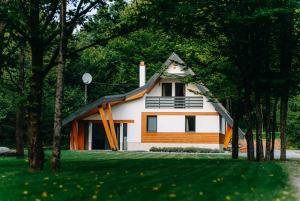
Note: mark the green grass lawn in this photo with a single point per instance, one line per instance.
(145, 176)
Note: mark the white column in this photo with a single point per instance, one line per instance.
(90, 135)
(142, 74)
(121, 136)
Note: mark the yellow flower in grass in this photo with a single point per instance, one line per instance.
(172, 195)
(201, 193)
(94, 197)
(25, 192)
(44, 194)
(46, 178)
(155, 188)
(141, 174)
(227, 197)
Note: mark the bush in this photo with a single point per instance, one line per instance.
(185, 150)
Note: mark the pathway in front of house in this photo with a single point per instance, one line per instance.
(290, 154)
(294, 172)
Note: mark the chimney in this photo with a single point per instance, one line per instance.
(142, 73)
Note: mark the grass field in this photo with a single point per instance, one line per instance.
(146, 176)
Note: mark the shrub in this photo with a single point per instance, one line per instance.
(185, 150)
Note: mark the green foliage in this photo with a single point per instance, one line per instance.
(115, 67)
(5, 106)
(293, 123)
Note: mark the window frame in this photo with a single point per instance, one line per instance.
(147, 126)
(177, 85)
(162, 88)
(186, 119)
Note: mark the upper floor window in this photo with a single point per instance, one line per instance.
(190, 123)
(166, 89)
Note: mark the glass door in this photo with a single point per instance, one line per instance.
(179, 95)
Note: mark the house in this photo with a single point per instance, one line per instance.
(162, 112)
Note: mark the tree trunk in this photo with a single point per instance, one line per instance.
(250, 145)
(235, 129)
(259, 120)
(267, 126)
(249, 133)
(20, 111)
(35, 147)
(274, 123)
(287, 48)
(283, 117)
(235, 137)
(59, 91)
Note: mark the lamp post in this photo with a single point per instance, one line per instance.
(87, 79)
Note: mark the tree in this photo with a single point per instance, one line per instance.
(59, 89)
(20, 108)
(259, 44)
(37, 24)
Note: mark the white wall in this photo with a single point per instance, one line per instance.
(207, 124)
(170, 123)
(174, 69)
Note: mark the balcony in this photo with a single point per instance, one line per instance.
(174, 102)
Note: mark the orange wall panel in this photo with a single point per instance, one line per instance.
(80, 136)
(179, 137)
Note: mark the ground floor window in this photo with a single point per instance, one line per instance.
(190, 123)
(152, 124)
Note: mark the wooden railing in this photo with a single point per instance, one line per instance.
(174, 102)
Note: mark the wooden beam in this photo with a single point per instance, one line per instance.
(106, 128)
(228, 136)
(183, 113)
(80, 136)
(136, 96)
(125, 121)
(112, 126)
(72, 136)
(75, 135)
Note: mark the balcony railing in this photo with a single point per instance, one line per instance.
(174, 102)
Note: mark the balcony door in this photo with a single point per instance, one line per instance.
(179, 93)
(166, 89)
(179, 89)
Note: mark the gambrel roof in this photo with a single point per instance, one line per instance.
(139, 92)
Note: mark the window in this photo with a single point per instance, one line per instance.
(190, 123)
(179, 89)
(152, 124)
(166, 89)
(222, 125)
